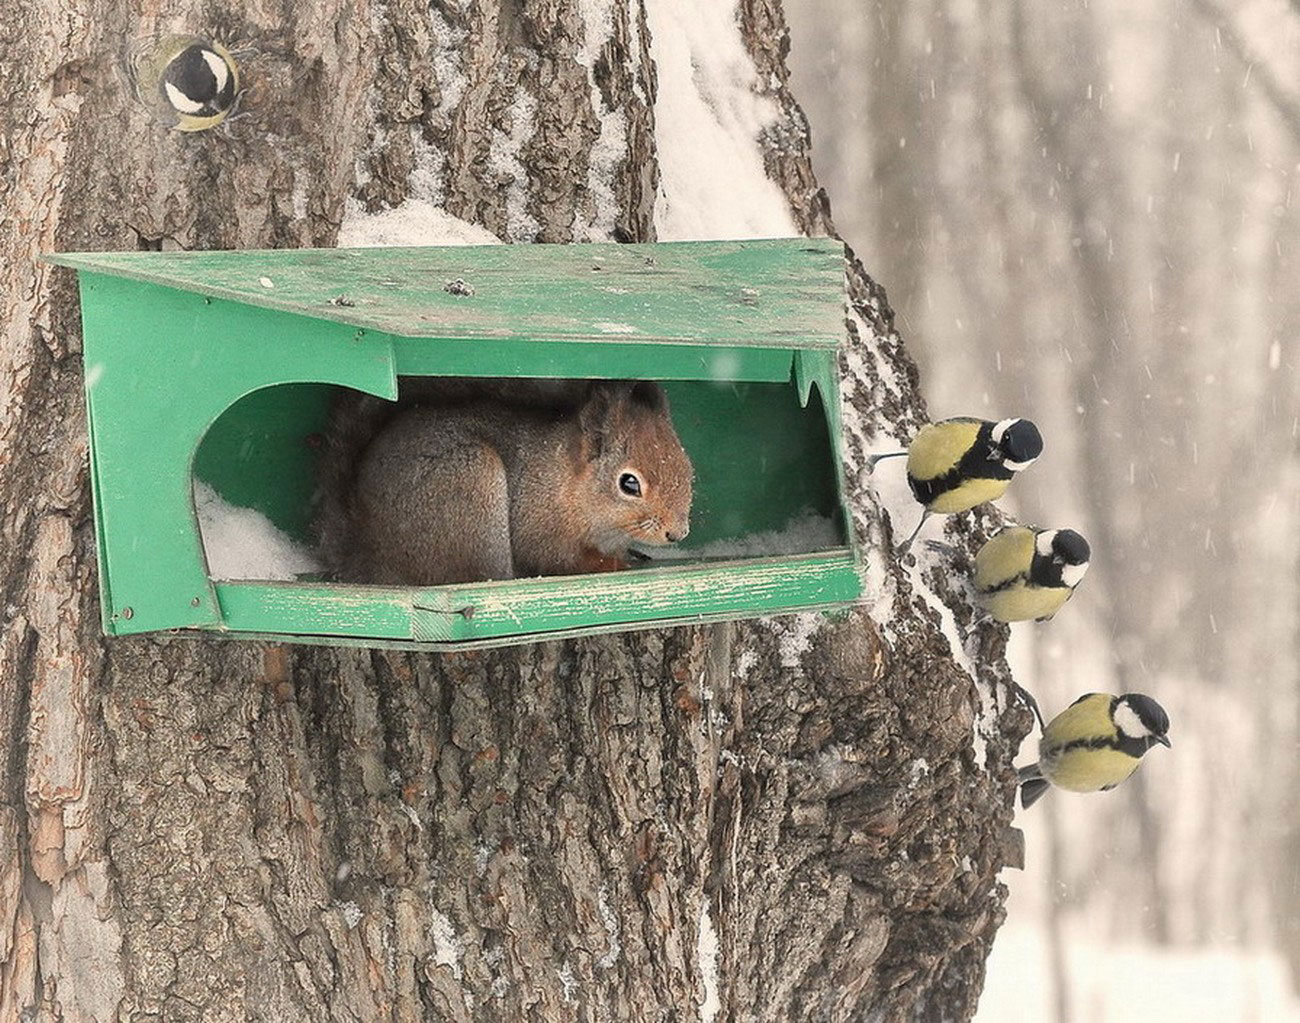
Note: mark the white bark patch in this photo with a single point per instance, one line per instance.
(299, 196)
(56, 756)
(889, 489)
(83, 947)
(986, 714)
(707, 956)
(744, 663)
(861, 438)
(447, 52)
(857, 356)
(709, 113)
(503, 159)
(568, 982)
(610, 920)
(448, 55)
(447, 947)
(241, 543)
(917, 770)
(796, 632)
(610, 148)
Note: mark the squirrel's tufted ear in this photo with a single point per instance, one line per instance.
(597, 415)
(608, 405)
(649, 394)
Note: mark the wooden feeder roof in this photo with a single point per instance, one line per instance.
(738, 293)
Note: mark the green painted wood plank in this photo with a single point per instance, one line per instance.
(158, 374)
(490, 642)
(519, 607)
(786, 293)
(513, 357)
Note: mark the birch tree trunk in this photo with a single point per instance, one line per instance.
(787, 819)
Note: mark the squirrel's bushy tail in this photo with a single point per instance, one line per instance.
(354, 420)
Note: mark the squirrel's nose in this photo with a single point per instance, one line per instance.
(679, 533)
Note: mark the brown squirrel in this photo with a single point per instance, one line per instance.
(560, 480)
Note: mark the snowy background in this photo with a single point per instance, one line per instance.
(1085, 213)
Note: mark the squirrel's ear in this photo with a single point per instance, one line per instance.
(607, 406)
(596, 416)
(649, 394)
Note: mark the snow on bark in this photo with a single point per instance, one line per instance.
(709, 114)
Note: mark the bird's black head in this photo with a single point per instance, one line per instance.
(1020, 442)
(1070, 547)
(1140, 717)
(199, 81)
(1060, 558)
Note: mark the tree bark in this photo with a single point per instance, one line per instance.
(207, 830)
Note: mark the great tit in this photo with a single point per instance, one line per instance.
(955, 464)
(1094, 744)
(190, 83)
(1029, 573)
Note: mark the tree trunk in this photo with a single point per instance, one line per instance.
(792, 818)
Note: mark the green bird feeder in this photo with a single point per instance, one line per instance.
(221, 367)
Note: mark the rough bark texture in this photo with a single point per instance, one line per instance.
(204, 830)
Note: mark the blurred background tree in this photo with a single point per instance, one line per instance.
(1084, 212)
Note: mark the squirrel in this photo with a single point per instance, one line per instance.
(555, 480)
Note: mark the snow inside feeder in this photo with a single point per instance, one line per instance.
(207, 392)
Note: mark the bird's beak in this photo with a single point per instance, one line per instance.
(1164, 741)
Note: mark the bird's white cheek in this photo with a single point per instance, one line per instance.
(1127, 721)
(1072, 575)
(220, 72)
(1017, 466)
(180, 101)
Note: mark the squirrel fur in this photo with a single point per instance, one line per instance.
(499, 480)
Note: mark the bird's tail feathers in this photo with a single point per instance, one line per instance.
(1032, 785)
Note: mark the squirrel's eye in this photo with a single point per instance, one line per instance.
(629, 484)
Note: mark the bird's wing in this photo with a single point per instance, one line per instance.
(1011, 547)
(1086, 718)
(939, 447)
